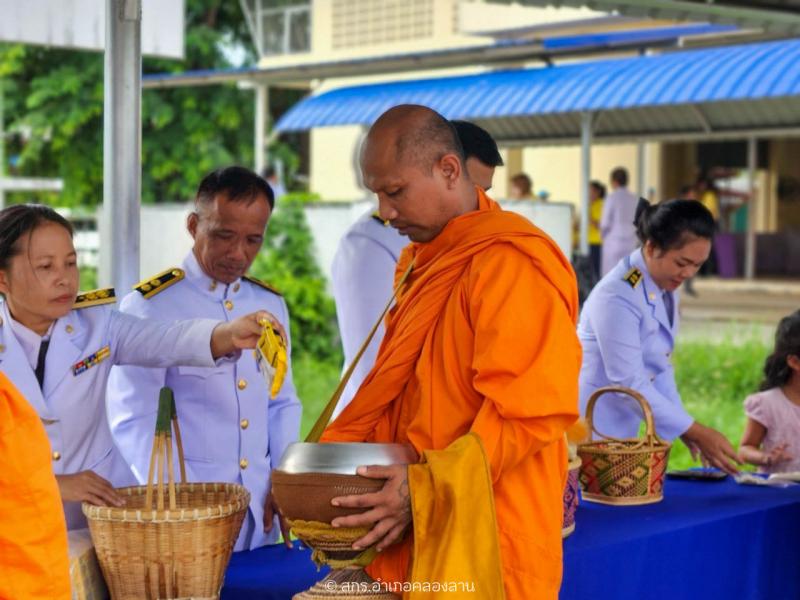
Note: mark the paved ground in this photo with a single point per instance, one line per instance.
(733, 308)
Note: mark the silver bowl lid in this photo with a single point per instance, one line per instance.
(342, 458)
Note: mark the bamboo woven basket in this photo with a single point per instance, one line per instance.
(623, 471)
(178, 548)
(571, 497)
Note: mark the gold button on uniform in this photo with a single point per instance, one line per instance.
(245, 423)
(212, 286)
(242, 384)
(236, 288)
(69, 328)
(56, 455)
(228, 304)
(243, 463)
(2, 348)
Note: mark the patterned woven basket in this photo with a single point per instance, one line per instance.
(178, 548)
(571, 497)
(623, 471)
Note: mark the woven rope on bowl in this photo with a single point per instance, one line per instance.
(324, 538)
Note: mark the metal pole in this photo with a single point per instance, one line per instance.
(641, 169)
(261, 122)
(2, 149)
(586, 174)
(122, 139)
(750, 242)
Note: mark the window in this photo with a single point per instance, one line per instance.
(279, 26)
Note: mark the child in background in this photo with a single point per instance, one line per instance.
(771, 438)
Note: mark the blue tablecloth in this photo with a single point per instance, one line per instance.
(705, 540)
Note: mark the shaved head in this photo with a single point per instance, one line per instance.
(419, 136)
(413, 161)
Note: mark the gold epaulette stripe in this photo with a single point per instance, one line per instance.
(377, 217)
(95, 298)
(262, 284)
(633, 277)
(153, 285)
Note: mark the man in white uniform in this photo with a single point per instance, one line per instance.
(231, 430)
(364, 264)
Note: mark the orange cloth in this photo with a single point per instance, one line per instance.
(33, 533)
(483, 339)
(452, 502)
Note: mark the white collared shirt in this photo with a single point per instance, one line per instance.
(29, 340)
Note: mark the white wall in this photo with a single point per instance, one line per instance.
(165, 241)
(164, 238)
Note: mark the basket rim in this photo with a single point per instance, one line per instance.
(240, 502)
(636, 500)
(601, 446)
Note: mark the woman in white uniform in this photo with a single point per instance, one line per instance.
(628, 327)
(59, 351)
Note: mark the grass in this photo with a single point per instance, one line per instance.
(714, 378)
(315, 381)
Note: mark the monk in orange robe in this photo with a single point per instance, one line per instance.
(34, 563)
(481, 340)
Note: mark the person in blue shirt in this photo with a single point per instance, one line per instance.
(58, 350)
(629, 324)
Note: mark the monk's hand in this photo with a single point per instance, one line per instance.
(388, 512)
(88, 486)
(270, 510)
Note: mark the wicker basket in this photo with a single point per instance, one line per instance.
(623, 471)
(178, 549)
(571, 497)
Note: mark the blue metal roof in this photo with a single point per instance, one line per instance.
(695, 78)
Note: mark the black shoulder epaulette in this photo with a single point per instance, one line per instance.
(153, 285)
(95, 297)
(377, 217)
(262, 284)
(633, 277)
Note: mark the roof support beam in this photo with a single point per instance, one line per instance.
(769, 19)
(750, 240)
(586, 175)
(633, 137)
(701, 117)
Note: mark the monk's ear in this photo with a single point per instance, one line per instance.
(451, 169)
(4, 287)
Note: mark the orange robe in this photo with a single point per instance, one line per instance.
(33, 533)
(482, 339)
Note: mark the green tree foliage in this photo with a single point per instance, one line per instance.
(287, 262)
(54, 107)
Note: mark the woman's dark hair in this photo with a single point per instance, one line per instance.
(599, 187)
(19, 219)
(787, 343)
(667, 225)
